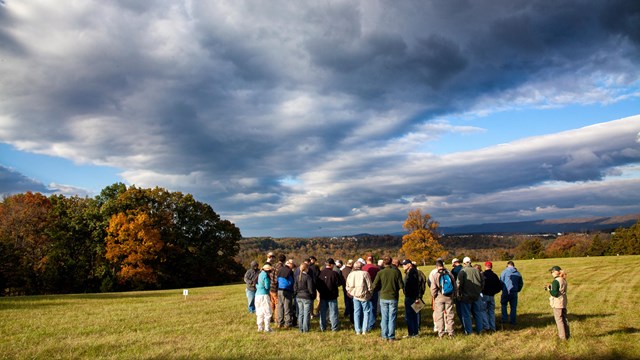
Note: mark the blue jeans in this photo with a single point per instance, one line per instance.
(373, 313)
(411, 317)
(512, 300)
(388, 312)
(361, 315)
(477, 310)
(251, 296)
(490, 313)
(304, 313)
(333, 314)
(466, 310)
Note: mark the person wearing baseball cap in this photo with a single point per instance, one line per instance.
(492, 286)
(558, 301)
(470, 283)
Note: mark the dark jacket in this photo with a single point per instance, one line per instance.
(251, 278)
(492, 284)
(412, 284)
(470, 283)
(328, 284)
(455, 271)
(388, 282)
(303, 287)
(313, 271)
(285, 279)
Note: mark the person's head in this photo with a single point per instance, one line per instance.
(313, 259)
(339, 263)
(307, 261)
(329, 263)
(439, 264)
(266, 267)
(478, 267)
(455, 262)
(557, 271)
(510, 263)
(349, 263)
(387, 260)
(380, 262)
(369, 259)
(290, 263)
(488, 265)
(304, 267)
(395, 262)
(466, 261)
(357, 265)
(254, 265)
(282, 258)
(407, 265)
(270, 257)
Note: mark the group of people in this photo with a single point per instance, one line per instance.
(283, 293)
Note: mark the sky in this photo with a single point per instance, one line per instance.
(294, 118)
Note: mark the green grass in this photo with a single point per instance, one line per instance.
(212, 322)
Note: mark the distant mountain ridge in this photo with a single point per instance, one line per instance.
(609, 223)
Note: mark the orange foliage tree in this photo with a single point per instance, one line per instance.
(421, 243)
(132, 247)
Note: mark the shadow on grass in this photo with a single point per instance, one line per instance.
(622, 331)
(541, 320)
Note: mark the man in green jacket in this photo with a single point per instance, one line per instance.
(389, 282)
(470, 284)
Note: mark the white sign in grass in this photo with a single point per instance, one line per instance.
(185, 292)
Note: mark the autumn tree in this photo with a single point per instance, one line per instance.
(132, 247)
(421, 243)
(25, 223)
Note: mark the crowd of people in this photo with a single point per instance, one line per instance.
(284, 294)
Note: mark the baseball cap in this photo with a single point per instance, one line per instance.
(555, 268)
(466, 260)
(455, 260)
(406, 262)
(488, 264)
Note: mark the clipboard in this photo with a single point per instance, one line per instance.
(417, 306)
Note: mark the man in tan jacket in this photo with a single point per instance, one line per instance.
(359, 287)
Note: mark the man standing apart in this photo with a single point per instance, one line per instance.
(511, 285)
(251, 278)
(470, 283)
(359, 288)
(389, 282)
(373, 270)
(443, 299)
(492, 286)
(328, 285)
(411, 296)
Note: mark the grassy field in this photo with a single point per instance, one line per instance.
(213, 322)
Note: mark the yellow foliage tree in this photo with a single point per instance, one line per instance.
(133, 245)
(421, 243)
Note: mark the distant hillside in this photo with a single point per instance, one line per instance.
(546, 226)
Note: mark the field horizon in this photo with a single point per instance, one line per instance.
(213, 323)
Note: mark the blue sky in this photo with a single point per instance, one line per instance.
(333, 118)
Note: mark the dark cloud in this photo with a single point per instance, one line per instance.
(226, 100)
(12, 182)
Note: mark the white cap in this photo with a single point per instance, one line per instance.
(466, 260)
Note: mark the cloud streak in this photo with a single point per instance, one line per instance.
(227, 100)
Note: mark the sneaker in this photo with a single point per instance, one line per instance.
(260, 329)
(268, 330)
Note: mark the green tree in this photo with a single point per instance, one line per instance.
(530, 249)
(421, 243)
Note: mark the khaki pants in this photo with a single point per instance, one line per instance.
(274, 304)
(443, 314)
(561, 322)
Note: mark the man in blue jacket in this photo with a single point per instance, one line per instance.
(285, 295)
(511, 285)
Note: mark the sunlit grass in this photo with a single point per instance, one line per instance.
(213, 323)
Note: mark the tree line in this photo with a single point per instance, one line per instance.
(126, 238)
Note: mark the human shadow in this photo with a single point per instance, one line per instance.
(621, 331)
(541, 320)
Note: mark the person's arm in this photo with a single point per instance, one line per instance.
(555, 288)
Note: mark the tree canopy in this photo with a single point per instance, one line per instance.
(421, 243)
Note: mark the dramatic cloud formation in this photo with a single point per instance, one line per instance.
(311, 118)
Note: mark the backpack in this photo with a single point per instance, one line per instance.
(446, 285)
(422, 284)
